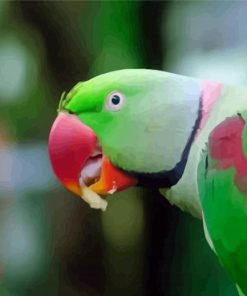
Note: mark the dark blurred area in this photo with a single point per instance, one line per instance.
(51, 243)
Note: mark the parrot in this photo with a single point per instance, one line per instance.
(185, 136)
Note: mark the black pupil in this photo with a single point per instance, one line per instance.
(115, 100)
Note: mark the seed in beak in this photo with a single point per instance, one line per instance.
(93, 199)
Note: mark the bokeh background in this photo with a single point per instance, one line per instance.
(51, 243)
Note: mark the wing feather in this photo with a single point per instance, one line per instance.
(221, 174)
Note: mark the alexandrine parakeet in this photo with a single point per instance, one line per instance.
(151, 128)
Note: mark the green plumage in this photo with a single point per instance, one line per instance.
(225, 212)
(130, 137)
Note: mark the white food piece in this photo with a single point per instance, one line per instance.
(113, 190)
(93, 199)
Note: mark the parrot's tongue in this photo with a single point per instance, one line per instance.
(78, 162)
(90, 172)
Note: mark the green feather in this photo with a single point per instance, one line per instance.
(225, 212)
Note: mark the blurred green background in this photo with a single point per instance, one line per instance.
(51, 243)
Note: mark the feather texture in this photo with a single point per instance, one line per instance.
(222, 179)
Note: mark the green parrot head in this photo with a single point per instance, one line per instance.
(142, 121)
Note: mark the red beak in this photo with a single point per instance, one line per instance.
(71, 148)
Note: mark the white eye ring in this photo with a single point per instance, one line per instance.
(115, 101)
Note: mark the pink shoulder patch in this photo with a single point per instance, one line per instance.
(225, 146)
(210, 92)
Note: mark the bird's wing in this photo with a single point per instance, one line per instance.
(222, 185)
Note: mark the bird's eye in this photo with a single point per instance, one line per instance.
(115, 101)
